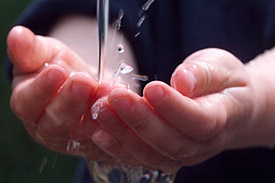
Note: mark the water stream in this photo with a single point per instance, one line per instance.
(103, 171)
(103, 20)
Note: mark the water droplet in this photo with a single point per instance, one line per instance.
(120, 14)
(54, 161)
(117, 22)
(139, 77)
(73, 146)
(42, 165)
(117, 79)
(96, 108)
(122, 69)
(146, 178)
(141, 20)
(125, 68)
(137, 34)
(120, 48)
(147, 5)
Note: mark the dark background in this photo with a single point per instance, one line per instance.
(21, 159)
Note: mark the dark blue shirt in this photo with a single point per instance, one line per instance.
(172, 30)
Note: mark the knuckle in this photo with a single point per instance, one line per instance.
(142, 123)
(186, 151)
(18, 106)
(53, 116)
(182, 150)
(154, 160)
(171, 167)
(42, 90)
(110, 146)
(216, 126)
(209, 125)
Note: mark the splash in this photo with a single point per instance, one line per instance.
(101, 171)
(123, 69)
(96, 108)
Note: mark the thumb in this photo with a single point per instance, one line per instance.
(208, 71)
(29, 52)
(26, 52)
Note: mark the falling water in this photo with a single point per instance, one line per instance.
(141, 20)
(102, 19)
(42, 165)
(96, 108)
(147, 5)
(102, 170)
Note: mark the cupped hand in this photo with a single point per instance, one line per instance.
(208, 108)
(53, 91)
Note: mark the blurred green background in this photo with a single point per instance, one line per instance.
(21, 159)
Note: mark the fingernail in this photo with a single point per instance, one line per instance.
(121, 104)
(191, 78)
(55, 77)
(81, 91)
(101, 137)
(105, 114)
(183, 77)
(154, 94)
(97, 132)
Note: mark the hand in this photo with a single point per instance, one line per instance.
(208, 108)
(53, 91)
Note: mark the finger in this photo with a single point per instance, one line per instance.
(25, 50)
(81, 133)
(154, 131)
(29, 52)
(80, 138)
(78, 144)
(208, 71)
(105, 141)
(112, 124)
(117, 139)
(197, 119)
(87, 125)
(131, 154)
(31, 94)
(66, 110)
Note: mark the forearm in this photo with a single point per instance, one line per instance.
(261, 72)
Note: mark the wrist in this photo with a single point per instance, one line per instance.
(262, 123)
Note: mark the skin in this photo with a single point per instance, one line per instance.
(214, 103)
